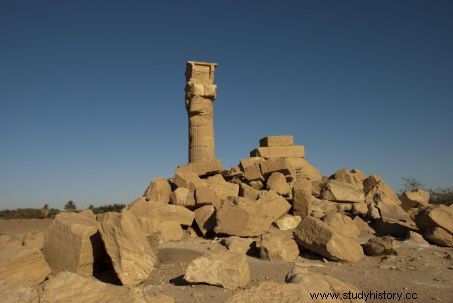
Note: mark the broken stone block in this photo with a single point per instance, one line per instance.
(22, 265)
(371, 182)
(248, 192)
(227, 269)
(342, 224)
(302, 198)
(246, 162)
(320, 283)
(362, 225)
(205, 219)
(253, 172)
(258, 185)
(222, 188)
(436, 224)
(320, 208)
(346, 176)
(278, 246)
(415, 239)
(206, 196)
(302, 169)
(169, 231)
(282, 165)
(416, 198)
(33, 239)
(179, 196)
(202, 168)
(342, 192)
(72, 243)
(379, 246)
(250, 218)
(161, 212)
(238, 244)
(287, 222)
(277, 183)
(294, 151)
(132, 257)
(320, 238)
(17, 293)
(276, 141)
(159, 190)
(189, 180)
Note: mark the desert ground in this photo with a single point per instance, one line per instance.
(426, 271)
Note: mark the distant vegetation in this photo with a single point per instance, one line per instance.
(49, 213)
(439, 195)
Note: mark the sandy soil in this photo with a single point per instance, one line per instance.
(428, 272)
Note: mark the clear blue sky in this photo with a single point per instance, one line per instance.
(92, 100)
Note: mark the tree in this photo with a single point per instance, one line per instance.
(45, 211)
(91, 206)
(70, 206)
(410, 184)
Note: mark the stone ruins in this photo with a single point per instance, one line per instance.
(273, 205)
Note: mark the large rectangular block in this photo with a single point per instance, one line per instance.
(202, 168)
(295, 151)
(276, 141)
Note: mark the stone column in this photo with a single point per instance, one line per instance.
(200, 95)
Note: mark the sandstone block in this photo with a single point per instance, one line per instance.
(416, 198)
(206, 196)
(436, 224)
(227, 269)
(33, 239)
(159, 190)
(271, 292)
(278, 246)
(282, 165)
(246, 162)
(287, 222)
(222, 188)
(248, 192)
(169, 231)
(205, 219)
(379, 246)
(189, 180)
(294, 151)
(71, 244)
(180, 197)
(277, 183)
(302, 169)
(202, 168)
(342, 224)
(320, 238)
(346, 176)
(302, 198)
(238, 244)
(371, 182)
(276, 141)
(320, 208)
(132, 257)
(17, 293)
(342, 192)
(253, 172)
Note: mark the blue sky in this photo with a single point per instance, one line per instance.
(92, 92)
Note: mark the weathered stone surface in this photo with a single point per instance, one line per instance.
(4, 239)
(282, 165)
(222, 188)
(271, 292)
(69, 287)
(248, 192)
(302, 198)
(159, 190)
(257, 184)
(17, 293)
(319, 283)
(320, 208)
(251, 218)
(132, 257)
(22, 265)
(415, 239)
(180, 197)
(386, 201)
(416, 198)
(202, 168)
(253, 172)
(294, 151)
(346, 176)
(246, 162)
(161, 212)
(189, 180)
(287, 222)
(379, 246)
(33, 239)
(206, 196)
(278, 246)
(276, 141)
(227, 269)
(238, 244)
(320, 238)
(205, 218)
(342, 224)
(71, 244)
(362, 225)
(371, 182)
(277, 183)
(302, 169)
(169, 231)
(88, 213)
(436, 224)
(342, 192)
